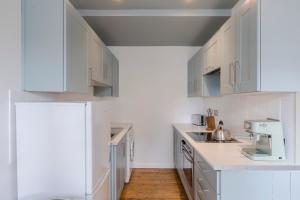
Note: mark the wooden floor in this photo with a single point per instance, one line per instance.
(155, 184)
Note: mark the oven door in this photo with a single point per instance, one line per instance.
(188, 168)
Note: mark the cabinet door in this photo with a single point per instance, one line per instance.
(95, 57)
(189, 78)
(76, 62)
(247, 66)
(246, 185)
(107, 66)
(198, 74)
(115, 87)
(179, 154)
(210, 57)
(229, 55)
(212, 54)
(43, 61)
(295, 183)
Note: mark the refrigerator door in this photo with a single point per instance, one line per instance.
(98, 143)
(50, 149)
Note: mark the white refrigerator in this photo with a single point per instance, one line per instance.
(63, 150)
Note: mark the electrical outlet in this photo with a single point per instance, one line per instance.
(216, 113)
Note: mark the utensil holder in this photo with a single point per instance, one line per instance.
(211, 124)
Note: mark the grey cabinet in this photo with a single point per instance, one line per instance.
(295, 182)
(245, 50)
(195, 78)
(228, 78)
(54, 37)
(118, 174)
(95, 57)
(115, 77)
(259, 62)
(178, 156)
(247, 40)
(107, 66)
(212, 53)
(114, 89)
(206, 180)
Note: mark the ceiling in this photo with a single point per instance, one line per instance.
(153, 4)
(155, 31)
(155, 22)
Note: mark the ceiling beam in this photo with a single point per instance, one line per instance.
(157, 13)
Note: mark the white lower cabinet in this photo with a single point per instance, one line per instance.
(206, 180)
(295, 185)
(211, 184)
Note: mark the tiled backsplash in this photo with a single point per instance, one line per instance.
(234, 109)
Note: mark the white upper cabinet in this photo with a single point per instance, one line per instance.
(54, 47)
(76, 63)
(95, 57)
(212, 53)
(60, 51)
(107, 66)
(259, 47)
(114, 89)
(100, 61)
(229, 57)
(195, 78)
(247, 63)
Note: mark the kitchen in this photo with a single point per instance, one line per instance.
(155, 52)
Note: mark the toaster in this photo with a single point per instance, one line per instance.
(198, 120)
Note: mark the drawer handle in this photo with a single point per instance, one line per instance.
(206, 171)
(200, 180)
(199, 195)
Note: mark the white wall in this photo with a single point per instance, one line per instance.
(234, 109)
(153, 94)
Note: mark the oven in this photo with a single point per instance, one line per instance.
(188, 167)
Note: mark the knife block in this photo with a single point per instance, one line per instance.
(211, 124)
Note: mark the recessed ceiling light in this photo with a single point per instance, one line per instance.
(189, 1)
(118, 1)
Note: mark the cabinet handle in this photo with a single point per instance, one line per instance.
(200, 180)
(206, 171)
(90, 77)
(199, 195)
(237, 72)
(124, 150)
(231, 74)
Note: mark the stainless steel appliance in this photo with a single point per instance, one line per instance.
(199, 120)
(267, 140)
(221, 134)
(188, 167)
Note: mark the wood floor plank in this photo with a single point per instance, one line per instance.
(154, 184)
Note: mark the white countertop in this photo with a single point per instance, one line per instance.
(227, 156)
(119, 137)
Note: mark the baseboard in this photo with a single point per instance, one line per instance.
(154, 165)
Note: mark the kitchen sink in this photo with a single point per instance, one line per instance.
(115, 131)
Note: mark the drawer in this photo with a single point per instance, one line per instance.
(209, 173)
(203, 190)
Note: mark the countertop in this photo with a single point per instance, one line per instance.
(119, 137)
(228, 156)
